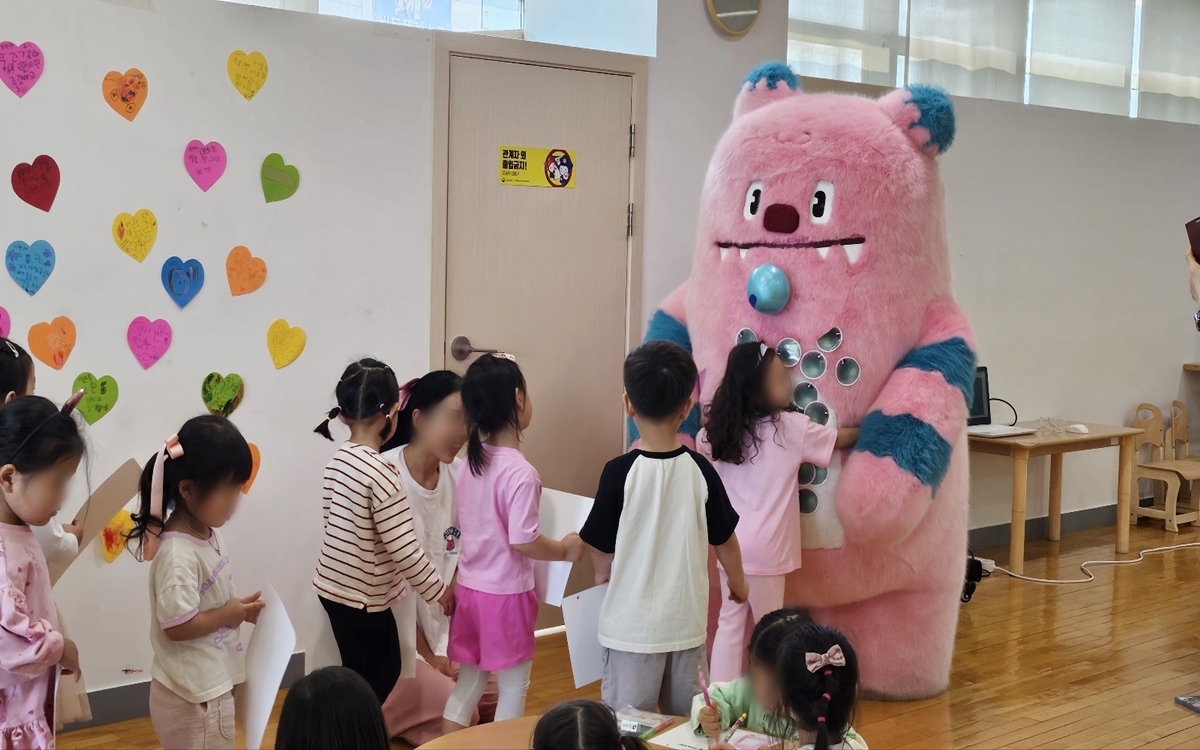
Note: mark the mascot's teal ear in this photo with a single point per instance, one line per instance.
(767, 83)
(925, 113)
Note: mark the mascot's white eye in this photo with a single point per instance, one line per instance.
(753, 200)
(822, 203)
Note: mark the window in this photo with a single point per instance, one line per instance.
(457, 15)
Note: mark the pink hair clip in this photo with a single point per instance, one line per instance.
(171, 449)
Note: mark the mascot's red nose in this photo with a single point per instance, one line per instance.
(781, 218)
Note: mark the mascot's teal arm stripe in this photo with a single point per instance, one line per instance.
(663, 326)
(914, 445)
(952, 358)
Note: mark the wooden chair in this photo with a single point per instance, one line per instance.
(1160, 468)
(1179, 436)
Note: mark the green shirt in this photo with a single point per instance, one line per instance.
(732, 699)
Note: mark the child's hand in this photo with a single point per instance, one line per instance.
(245, 609)
(710, 721)
(75, 530)
(846, 437)
(739, 589)
(447, 600)
(70, 657)
(572, 547)
(443, 665)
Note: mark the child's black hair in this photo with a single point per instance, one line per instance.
(36, 435)
(737, 405)
(581, 724)
(489, 395)
(659, 379)
(368, 387)
(15, 367)
(214, 452)
(424, 394)
(331, 709)
(823, 700)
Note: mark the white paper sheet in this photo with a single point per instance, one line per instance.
(560, 514)
(683, 737)
(581, 616)
(271, 646)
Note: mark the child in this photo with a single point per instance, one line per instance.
(803, 681)
(370, 547)
(498, 499)
(40, 449)
(331, 709)
(581, 724)
(189, 489)
(757, 443)
(657, 510)
(430, 431)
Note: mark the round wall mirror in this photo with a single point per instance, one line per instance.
(734, 17)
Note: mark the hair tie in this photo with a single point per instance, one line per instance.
(833, 657)
(406, 392)
(171, 449)
(12, 348)
(821, 719)
(762, 352)
(333, 413)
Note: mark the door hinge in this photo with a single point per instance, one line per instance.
(632, 139)
(629, 222)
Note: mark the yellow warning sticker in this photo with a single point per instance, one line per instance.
(537, 167)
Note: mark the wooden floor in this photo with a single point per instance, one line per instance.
(1085, 666)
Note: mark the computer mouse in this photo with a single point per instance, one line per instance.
(1078, 428)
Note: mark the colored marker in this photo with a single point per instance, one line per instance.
(704, 687)
(734, 728)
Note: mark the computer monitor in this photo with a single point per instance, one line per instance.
(981, 409)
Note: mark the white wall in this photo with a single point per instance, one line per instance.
(349, 103)
(626, 26)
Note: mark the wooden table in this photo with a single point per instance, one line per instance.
(513, 734)
(1021, 448)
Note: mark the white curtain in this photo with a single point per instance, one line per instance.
(1169, 81)
(969, 47)
(1082, 54)
(845, 40)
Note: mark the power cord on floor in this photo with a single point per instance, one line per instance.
(1084, 566)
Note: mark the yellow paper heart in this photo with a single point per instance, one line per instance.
(284, 343)
(135, 233)
(248, 72)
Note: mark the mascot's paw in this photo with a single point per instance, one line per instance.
(878, 503)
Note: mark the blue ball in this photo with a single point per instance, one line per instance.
(768, 289)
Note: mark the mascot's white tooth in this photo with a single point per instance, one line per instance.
(823, 252)
(724, 253)
(853, 252)
(742, 251)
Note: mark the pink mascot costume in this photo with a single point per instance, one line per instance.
(822, 234)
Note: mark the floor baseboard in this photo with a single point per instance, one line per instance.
(1038, 528)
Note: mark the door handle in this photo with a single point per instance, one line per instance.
(460, 349)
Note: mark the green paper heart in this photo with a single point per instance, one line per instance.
(99, 395)
(222, 394)
(280, 181)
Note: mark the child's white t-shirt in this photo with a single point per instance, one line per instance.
(189, 576)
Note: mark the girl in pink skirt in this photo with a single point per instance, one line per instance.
(497, 513)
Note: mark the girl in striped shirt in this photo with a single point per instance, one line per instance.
(369, 547)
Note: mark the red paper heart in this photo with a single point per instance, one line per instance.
(37, 183)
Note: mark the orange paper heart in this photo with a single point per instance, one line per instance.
(52, 342)
(245, 272)
(256, 459)
(125, 93)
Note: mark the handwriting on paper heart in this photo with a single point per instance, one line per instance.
(99, 395)
(30, 265)
(280, 181)
(205, 162)
(37, 183)
(182, 279)
(135, 233)
(5, 323)
(114, 534)
(125, 92)
(52, 342)
(245, 272)
(148, 340)
(222, 394)
(285, 343)
(21, 66)
(247, 72)
(255, 462)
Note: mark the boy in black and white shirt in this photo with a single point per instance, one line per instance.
(657, 510)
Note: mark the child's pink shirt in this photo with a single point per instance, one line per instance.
(765, 489)
(494, 511)
(31, 645)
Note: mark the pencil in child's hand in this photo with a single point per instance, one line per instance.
(734, 728)
(704, 687)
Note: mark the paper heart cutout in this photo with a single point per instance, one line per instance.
(99, 395)
(125, 93)
(205, 162)
(222, 394)
(114, 534)
(182, 279)
(255, 461)
(284, 343)
(5, 323)
(21, 65)
(30, 265)
(247, 72)
(245, 272)
(52, 342)
(37, 183)
(280, 180)
(135, 233)
(148, 340)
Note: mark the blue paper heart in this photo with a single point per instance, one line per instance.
(182, 279)
(30, 265)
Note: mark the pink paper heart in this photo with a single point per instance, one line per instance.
(148, 340)
(5, 323)
(21, 66)
(205, 162)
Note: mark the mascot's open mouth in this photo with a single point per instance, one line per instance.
(853, 247)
